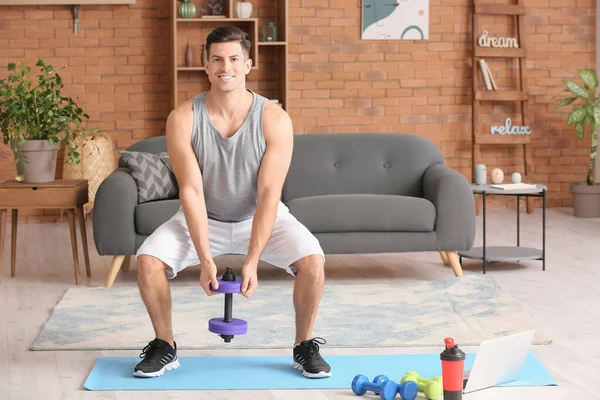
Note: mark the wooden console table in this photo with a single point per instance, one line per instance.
(70, 195)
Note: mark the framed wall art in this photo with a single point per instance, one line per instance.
(395, 19)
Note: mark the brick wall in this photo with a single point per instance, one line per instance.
(118, 70)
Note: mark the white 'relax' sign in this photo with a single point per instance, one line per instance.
(508, 129)
(501, 42)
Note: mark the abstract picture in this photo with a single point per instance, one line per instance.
(395, 19)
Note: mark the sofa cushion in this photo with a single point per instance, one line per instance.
(364, 213)
(365, 163)
(153, 175)
(151, 215)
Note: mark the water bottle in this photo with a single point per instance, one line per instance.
(453, 370)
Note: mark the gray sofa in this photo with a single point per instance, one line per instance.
(357, 193)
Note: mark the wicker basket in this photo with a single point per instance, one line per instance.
(97, 162)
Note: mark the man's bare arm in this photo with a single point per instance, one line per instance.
(279, 138)
(276, 161)
(191, 193)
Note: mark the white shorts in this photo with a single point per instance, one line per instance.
(172, 243)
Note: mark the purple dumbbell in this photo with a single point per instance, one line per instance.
(227, 327)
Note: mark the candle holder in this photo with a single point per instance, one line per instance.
(269, 32)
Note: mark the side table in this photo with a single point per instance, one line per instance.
(70, 195)
(509, 253)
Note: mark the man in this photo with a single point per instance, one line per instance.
(230, 150)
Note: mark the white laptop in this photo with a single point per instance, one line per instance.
(498, 361)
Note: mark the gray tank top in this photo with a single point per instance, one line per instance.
(229, 165)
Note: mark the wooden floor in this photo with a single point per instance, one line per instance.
(564, 301)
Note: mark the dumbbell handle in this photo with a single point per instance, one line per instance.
(423, 385)
(228, 307)
(422, 379)
(228, 276)
(379, 388)
(426, 380)
(373, 387)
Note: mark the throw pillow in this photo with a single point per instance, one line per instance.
(152, 174)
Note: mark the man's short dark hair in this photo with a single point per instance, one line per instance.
(224, 34)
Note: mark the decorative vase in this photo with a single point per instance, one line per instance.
(189, 56)
(497, 176)
(243, 9)
(480, 174)
(202, 55)
(187, 9)
(37, 162)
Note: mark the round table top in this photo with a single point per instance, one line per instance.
(488, 189)
(503, 253)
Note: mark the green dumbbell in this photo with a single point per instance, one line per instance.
(431, 388)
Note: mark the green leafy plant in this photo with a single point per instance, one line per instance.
(35, 109)
(586, 115)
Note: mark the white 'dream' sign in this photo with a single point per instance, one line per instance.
(485, 41)
(508, 129)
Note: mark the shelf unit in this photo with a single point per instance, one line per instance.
(75, 3)
(481, 136)
(61, 2)
(269, 74)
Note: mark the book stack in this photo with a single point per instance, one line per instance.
(514, 186)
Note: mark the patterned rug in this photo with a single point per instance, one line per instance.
(469, 309)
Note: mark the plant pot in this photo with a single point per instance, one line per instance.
(586, 199)
(40, 156)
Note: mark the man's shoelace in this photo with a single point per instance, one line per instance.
(150, 348)
(313, 346)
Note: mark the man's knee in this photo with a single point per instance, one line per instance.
(312, 265)
(149, 265)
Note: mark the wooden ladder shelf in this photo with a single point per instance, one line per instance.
(481, 135)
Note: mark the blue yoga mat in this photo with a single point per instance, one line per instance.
(276, 372)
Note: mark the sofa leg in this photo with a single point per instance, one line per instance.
(444, 258)
(115, 266)
(455, 263)
(125, 266)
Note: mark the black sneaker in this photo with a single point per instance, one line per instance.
(159, 357)
(308, 360)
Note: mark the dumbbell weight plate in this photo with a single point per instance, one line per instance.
(408, 390)
(235, 327)
(228, 286)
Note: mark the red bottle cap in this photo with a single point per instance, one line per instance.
(452, 352)
(449, 342)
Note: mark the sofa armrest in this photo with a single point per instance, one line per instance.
(114, 214)
(452, 196)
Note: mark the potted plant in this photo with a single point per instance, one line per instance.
(36, 119)
(586, 195)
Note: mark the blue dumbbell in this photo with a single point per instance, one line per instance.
(408, 390)
(378, 379)
(381, 384)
